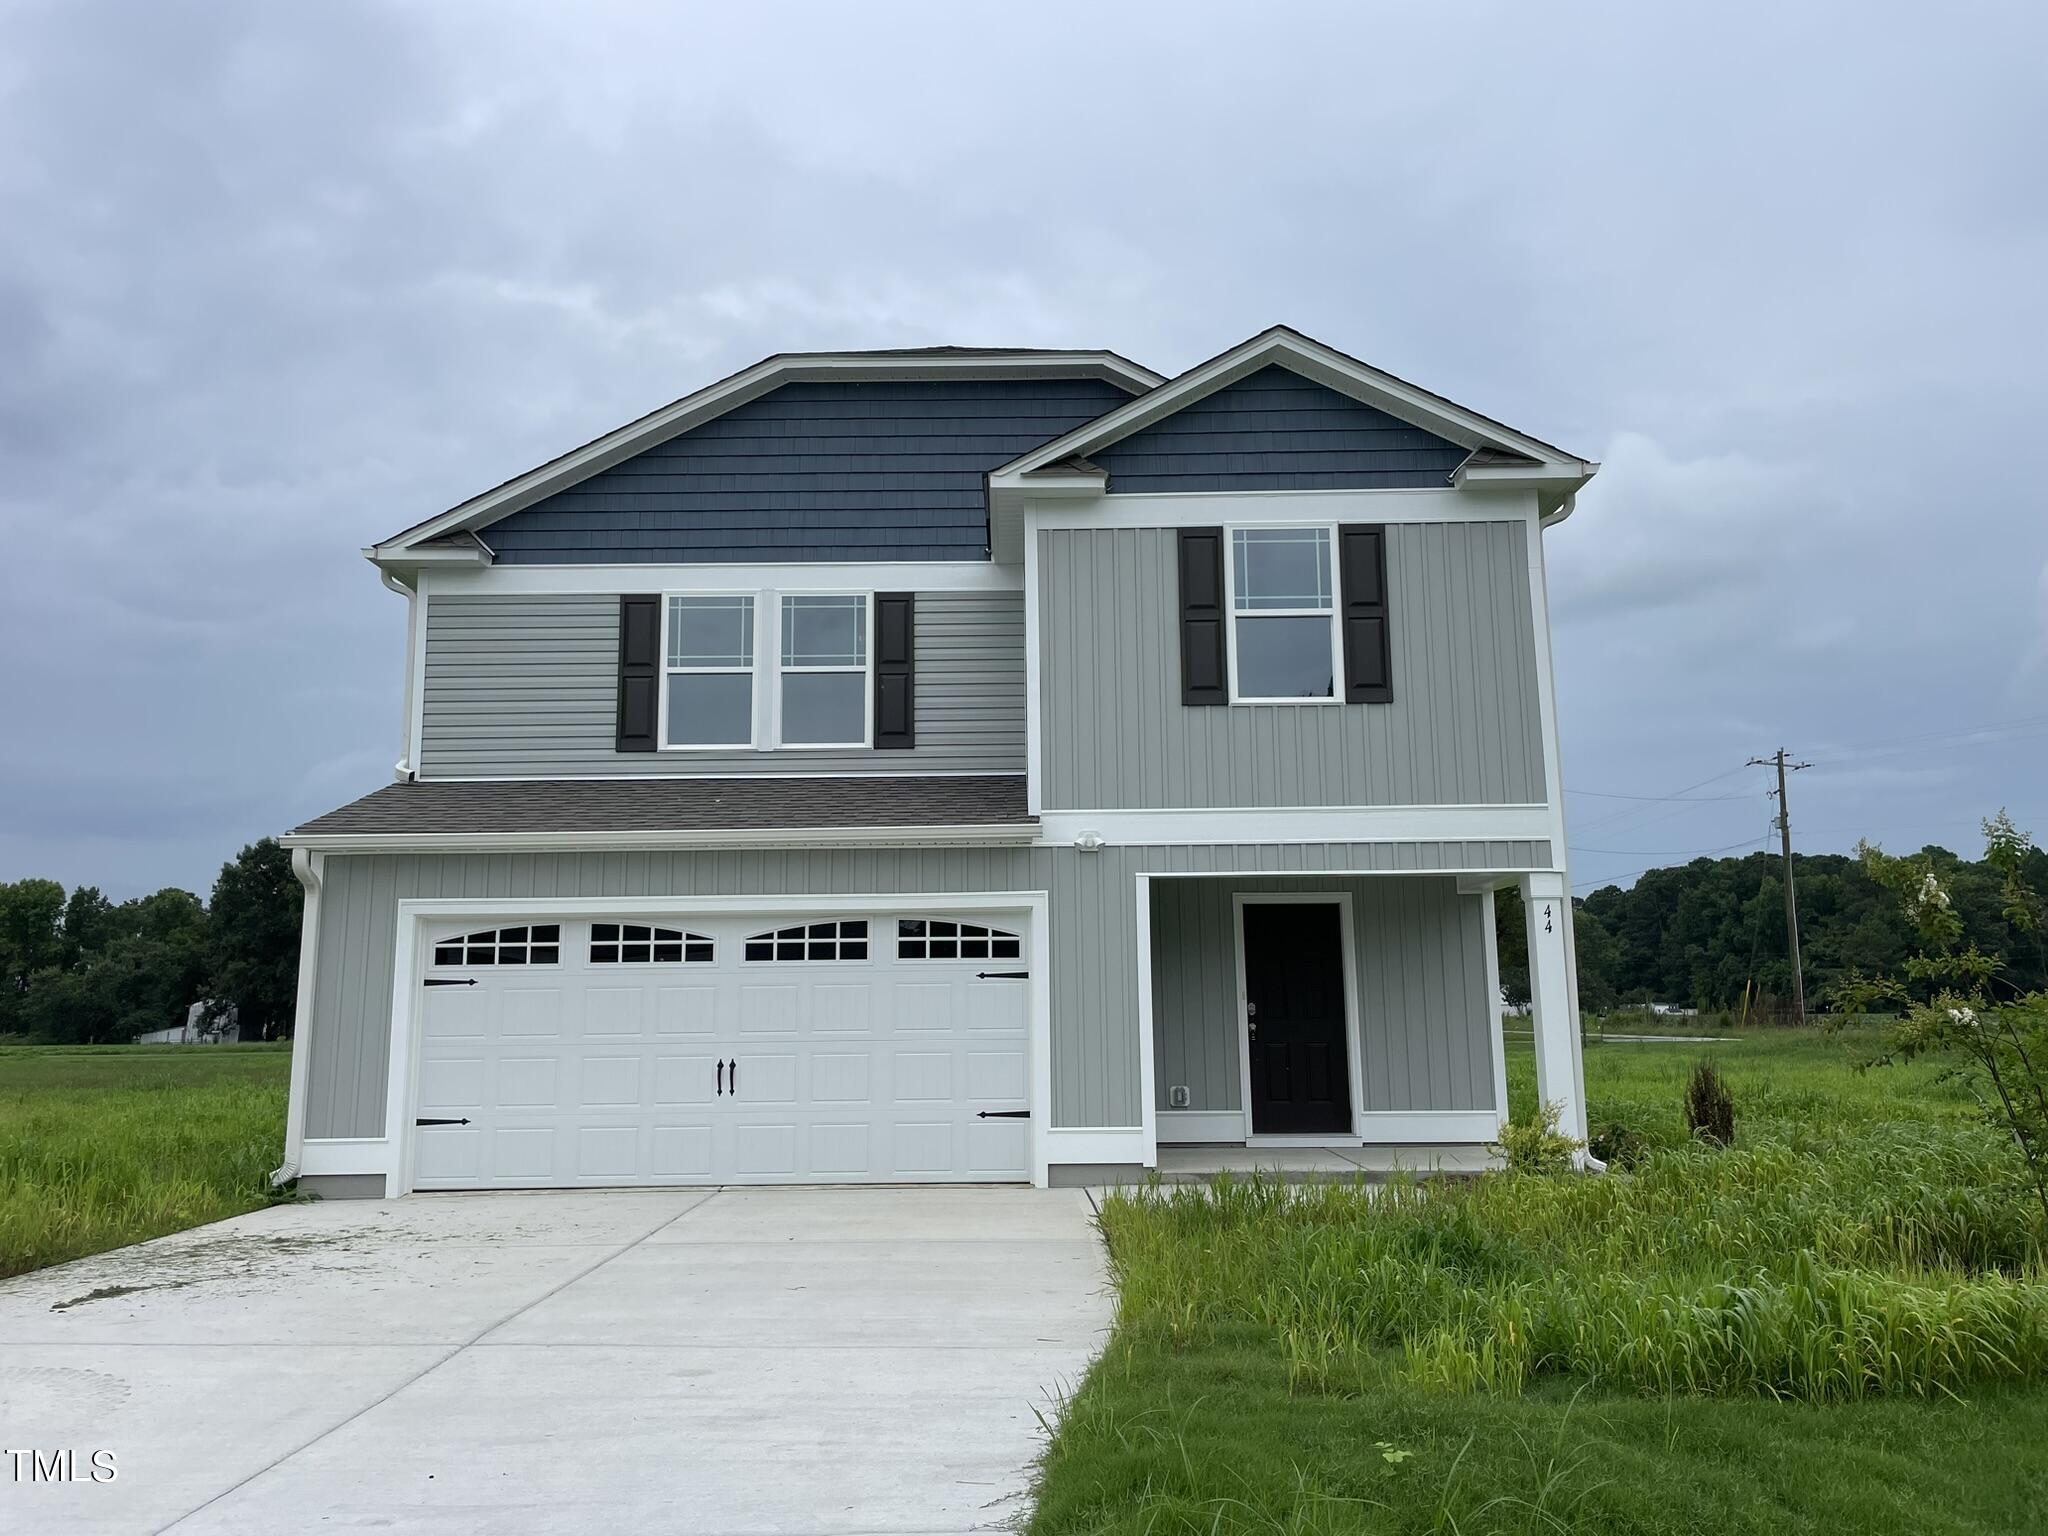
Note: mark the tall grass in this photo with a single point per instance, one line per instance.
(108, 1146)
(1901, 1262)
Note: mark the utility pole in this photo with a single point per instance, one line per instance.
(1777, 760)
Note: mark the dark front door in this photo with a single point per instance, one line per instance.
(1294, 993)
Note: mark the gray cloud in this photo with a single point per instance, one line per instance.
(275, 281)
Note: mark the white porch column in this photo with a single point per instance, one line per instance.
(1546, 907)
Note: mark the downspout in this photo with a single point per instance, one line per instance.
(307, 866)
(1571, 941)
(402, 770)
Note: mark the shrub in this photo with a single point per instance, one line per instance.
(1709, 1107)
(1619, 1145)
(1536, 1145)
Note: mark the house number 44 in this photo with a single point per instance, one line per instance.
(1546, 917)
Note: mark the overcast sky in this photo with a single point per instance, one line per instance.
(278, 280)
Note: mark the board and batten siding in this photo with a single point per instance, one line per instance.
(526, 686)
(1094, 945)
(1423, 1019)
(1463, 728)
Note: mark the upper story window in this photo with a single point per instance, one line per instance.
(708, 697)
(819, 690)
(824, 693)
(1283, 615)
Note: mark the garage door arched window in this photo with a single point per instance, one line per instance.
(942, 938)
(537, 944)
(644, 944)
(844, 939)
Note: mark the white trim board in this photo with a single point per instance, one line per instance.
(415, 913)
(1305, 824)
(604, 580)
(1205, 509)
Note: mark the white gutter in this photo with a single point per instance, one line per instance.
(1006, 834)
(306, 865)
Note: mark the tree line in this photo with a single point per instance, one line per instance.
(1695, 934)
(77, 968)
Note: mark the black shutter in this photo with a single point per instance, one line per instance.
(1203, 675)
(1368, 642)
(639, 673)
(895, 671)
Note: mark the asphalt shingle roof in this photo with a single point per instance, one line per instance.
(763, 802)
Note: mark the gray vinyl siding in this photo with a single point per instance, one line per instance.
(1423, 1017)
(884, 470)
(1093, 939)
(526, 686)
(1463, 728)
(1277, 431)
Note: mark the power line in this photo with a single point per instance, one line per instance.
(1791, 897)
(1597, 880)
(1600, 794)
(1676, 794)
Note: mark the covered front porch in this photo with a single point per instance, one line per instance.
(1349, 1022)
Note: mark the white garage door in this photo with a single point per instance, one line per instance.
(706, 1050)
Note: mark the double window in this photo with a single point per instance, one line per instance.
(820, 691)
(1283, 616)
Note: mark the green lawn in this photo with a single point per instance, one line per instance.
(1840, 1325)
(106, 1145)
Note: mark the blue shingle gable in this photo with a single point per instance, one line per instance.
(887, 470)
(1274, 430)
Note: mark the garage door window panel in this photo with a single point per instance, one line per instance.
(645, 944)
(535, 944)
(944, 938)
(843, 939)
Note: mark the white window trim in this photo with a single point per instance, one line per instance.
(865, 669)
(753, 675)
(1231, 612)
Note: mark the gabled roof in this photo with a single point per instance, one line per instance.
(1500, 454)
(737, 389)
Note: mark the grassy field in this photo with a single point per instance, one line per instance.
(106, 1145)
(1839, 1325)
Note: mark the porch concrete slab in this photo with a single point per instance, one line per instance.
(1189, 1164)
(1182, 1164)
(811, 1360)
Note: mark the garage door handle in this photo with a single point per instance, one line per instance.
(448, 981)
(1002, 975)
(1004, 1114)
(721, 1077)
(733, 1082)
(463, 1121)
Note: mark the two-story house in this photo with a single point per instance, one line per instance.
(954, 765)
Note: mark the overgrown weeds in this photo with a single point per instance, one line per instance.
(1902, 1263)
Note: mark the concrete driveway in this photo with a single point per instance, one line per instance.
(791, 1360)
